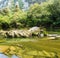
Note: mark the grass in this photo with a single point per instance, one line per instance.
(35, 44)
(53, 32)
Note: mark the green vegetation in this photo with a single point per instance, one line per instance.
(46, 14)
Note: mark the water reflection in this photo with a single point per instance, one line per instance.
(14, 56)
(4, 56)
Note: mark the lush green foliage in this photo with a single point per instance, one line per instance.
(38, 14)
(46, 14)
(12, 19)
(54, 9)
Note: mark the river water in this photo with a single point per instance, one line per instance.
(4, 56)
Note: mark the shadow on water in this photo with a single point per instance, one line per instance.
(4, 56)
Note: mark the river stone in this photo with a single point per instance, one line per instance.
(2, 33)
(10, 34)
(24, 33)
(52, 38)
(18, 33)
(34, 30)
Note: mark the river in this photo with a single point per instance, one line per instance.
(4, 56)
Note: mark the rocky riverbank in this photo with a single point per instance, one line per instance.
(34, 31)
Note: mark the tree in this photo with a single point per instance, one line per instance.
(54, 9)
(34, 14)
(38, 14)
(19, 18)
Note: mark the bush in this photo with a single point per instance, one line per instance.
(4, 22)
(4, 25)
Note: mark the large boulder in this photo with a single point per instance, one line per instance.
(34, 30)
(37, 31)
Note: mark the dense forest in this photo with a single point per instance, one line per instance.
(46, 14)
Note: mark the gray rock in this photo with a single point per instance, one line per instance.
(18, 33)
(10, 34)
(34, 30)
(21, 33)
(24, 33)
(2, 34)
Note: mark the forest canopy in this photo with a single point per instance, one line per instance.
(46, 14)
